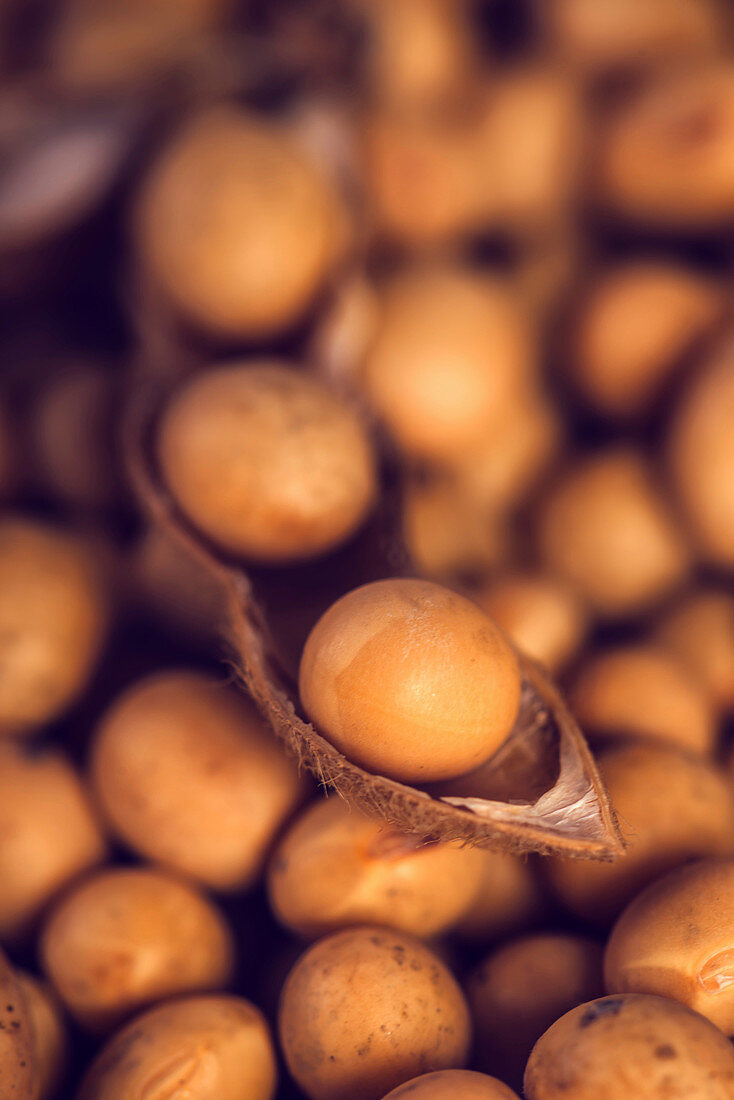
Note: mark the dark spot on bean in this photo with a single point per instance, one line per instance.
(665, 1052)
(609, 1006)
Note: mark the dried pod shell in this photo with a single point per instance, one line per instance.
(168, 583)
(673, 807)
(567, 812)
(59, 162)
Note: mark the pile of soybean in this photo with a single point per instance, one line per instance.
(428, 306)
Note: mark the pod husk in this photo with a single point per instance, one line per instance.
(540, 792)
(60, 159)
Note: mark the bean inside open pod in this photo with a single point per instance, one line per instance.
(539, 792)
